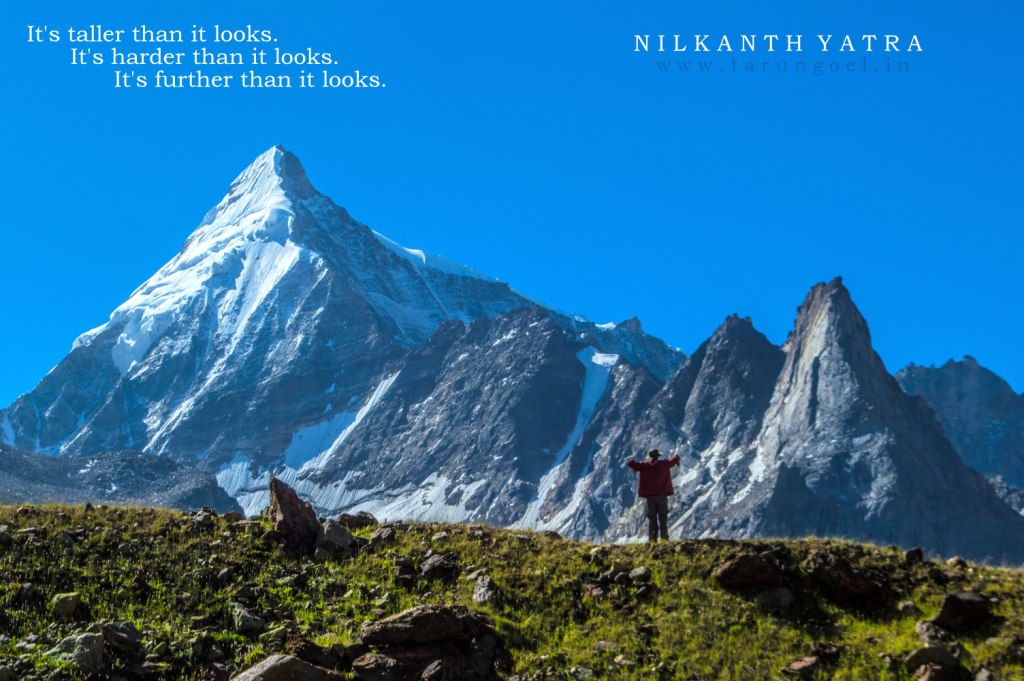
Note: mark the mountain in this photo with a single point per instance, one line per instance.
(287, 339)
(817, 438)
(267, 335)
(111, 478)
(980, 413)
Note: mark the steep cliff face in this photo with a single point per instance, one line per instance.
(817, 438)
(980, 413)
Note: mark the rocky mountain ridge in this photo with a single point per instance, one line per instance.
(287, 339)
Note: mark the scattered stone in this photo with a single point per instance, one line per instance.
(122, 637)
(361, 519)
(423, 624)
(438, 566)
(930, 655)
(383, 535)
(232, 517)
(984, 675)
(335, 540)
(84, 651)
(914, 556)
(956, 562)
(804, 667)
(930, 634)
(68, 606)
(963, 611)
(748, 571)
(581, 673)
(775, 600)
(908, 608)
(484, 591)
(640, 575)
(286, 668)
(439, 536)
(204, 519)
(293, 518)
(245, 622)
(276, 634)
(551, 534)
(476, 574)
(606, 646)
(407, 646)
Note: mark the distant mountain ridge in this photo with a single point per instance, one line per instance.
(286, 339)
(980, 413)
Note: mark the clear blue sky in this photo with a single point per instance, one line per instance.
(527, 139)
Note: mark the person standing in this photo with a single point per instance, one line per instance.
(656, 488)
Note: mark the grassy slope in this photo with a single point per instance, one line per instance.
(687, 628)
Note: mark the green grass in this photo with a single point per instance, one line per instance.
(156, 569)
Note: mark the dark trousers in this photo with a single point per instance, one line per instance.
(657, 516)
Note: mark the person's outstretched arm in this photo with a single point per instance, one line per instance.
(673, 460)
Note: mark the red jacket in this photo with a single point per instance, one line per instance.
(655, 476)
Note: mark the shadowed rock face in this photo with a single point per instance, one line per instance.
(293, 518)
(837, 449)
(979, 411)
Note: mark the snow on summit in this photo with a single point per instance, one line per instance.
(247, 238)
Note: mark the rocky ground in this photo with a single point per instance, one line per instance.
(133, 593)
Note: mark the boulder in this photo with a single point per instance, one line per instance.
(748, 572)
(336, 540)
(438, 566)
(963, 611)
(640, 575)
(84, 651)
(929, 634)
(68, 606)
(432, 642)
(383, 535)
(286, 668)
(804, 667)
(361, 519)
(914, 556)
(293, 518)
(245, 622)
(931, 655)
(423, 624)
(122, 637)
(484, 590)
